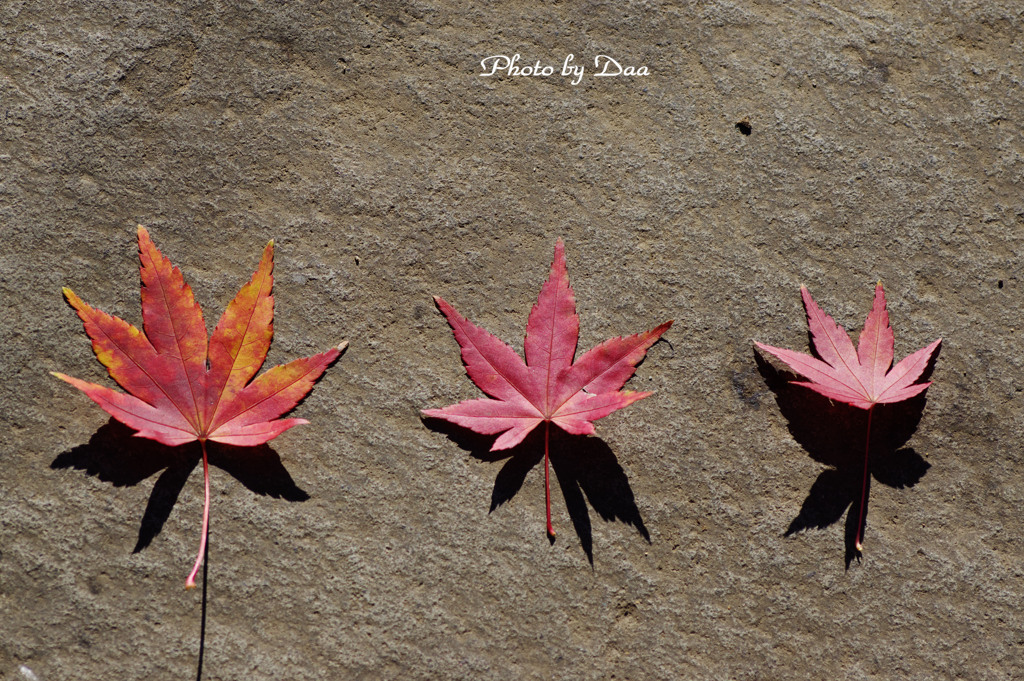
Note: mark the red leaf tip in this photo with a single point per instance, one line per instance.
(559, 259)
(143, 234)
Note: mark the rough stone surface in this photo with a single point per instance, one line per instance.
(884, 142)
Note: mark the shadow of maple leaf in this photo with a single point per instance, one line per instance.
(585, 467)
(832, 433)
(114, 455)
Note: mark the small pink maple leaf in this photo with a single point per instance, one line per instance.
(549, 387)
(863, 377)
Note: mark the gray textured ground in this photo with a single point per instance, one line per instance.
(885, 143)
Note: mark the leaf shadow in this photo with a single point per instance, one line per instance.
(833, 434)
(113, 454)
(585, 468)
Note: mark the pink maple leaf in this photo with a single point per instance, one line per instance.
(861, 377)
(549, 387)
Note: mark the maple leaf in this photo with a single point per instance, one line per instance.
(183, 387)
(861, 377)
(549, 387)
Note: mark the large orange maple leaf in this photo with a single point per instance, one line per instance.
(183, 388)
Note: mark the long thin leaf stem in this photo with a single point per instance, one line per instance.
(190, 583)
(547, 481)
(864, 486)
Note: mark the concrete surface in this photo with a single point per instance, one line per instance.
(702, 532)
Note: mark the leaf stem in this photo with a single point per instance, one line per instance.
(190, 583)
(864, 486)
(547, 481)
